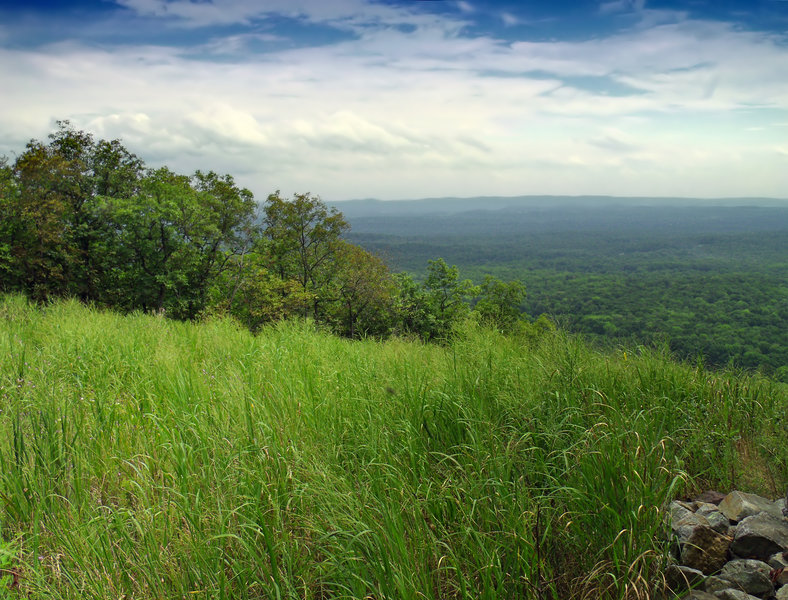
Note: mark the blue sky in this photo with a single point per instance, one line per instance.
(406, 99)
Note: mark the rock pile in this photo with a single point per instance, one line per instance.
(732, 547)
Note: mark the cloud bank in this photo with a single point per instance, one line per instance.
(362, 99)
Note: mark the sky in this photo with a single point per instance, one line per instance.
(395, 99)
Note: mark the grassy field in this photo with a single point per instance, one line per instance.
(143, 458)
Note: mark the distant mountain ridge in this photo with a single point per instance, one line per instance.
(493, 216)
(453, 205)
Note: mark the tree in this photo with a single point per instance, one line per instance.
(8, 200)
(42, 242)
(60, 239)
(304, 239)
(447, 295)
(221, 225)
(412, 313)
(499, 302)
(254, 295)
(154, 260)
(364, 291)
(179, 234)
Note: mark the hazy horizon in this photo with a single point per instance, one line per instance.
(565, 196)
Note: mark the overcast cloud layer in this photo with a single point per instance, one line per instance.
(354, 98)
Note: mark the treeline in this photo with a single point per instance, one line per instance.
(86, 218)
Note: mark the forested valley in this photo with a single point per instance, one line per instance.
(709, 278)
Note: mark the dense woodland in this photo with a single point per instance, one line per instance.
(86, 218)
(708, 280)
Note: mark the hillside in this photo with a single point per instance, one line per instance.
(146, 458)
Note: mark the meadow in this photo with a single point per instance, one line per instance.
(144, 458)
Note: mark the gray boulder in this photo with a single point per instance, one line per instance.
(680, 578)
(715, 584)
(711, 496)
(698, 595)
(751, 576)
(734, 595)
(718, 522)
(760, 536)
(740, 505)
(683, 521)
(704, 508)
(677, 511)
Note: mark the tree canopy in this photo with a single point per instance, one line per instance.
(86, 218)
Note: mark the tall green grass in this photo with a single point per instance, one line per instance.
(145, 458)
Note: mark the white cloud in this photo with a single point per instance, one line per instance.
(394, 114)
(239, 43)
(616, 141)
(615, 6)
(349, 14)
(509, 20)
(693, 65)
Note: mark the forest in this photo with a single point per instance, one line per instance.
(706, 277)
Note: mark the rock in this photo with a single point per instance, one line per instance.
(683, 521)
(711, 497)
(704, 508)
(734, 595)
(718, 522)
(760, 536)
(778, 560)
(715, 584)
(745, 528)
(740, 505)
(751, 576)
(679, 510)
(680, 578)
(705, 550)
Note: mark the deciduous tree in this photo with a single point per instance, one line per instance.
(60, 240)
(304, 239)
(447, 295)
(499, 302)
(364, 292)
(178, 234)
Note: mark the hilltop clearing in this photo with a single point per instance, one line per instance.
(142, 457)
